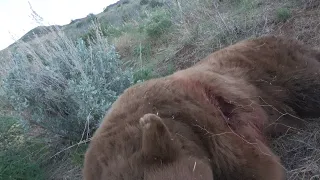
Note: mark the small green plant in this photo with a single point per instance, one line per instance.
(19, 156)
(18, 164)
(283, 14)
(110, 31)
(89, 36)
(159, 24)
(142, 74)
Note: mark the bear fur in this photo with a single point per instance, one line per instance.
(212, 120)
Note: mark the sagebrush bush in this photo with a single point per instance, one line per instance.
(63, 86)
(110, 31)
(105, 30)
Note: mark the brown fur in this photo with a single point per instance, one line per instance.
(209, 121)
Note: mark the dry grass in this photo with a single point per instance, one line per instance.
(202, 27)
(303, 25)
(300, 152)
(65, 170)
(62, 161)
(124, 45)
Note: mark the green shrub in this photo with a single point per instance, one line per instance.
(111, 31)
(91, 17)
(89, 36)
(22, 163)
(105, 30)
(142, 74)
(144, 2)
(283, 14)
(154, 3)
(159, 24)
(19, 157)
(10, 131)
(71, 92)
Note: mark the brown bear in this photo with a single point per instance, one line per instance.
(210, 121)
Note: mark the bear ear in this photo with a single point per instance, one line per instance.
(157, 141)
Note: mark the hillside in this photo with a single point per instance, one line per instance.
(55, 77)
(194, 28)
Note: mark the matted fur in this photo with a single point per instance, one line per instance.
(210, 121)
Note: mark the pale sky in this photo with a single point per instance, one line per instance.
(16, 20)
